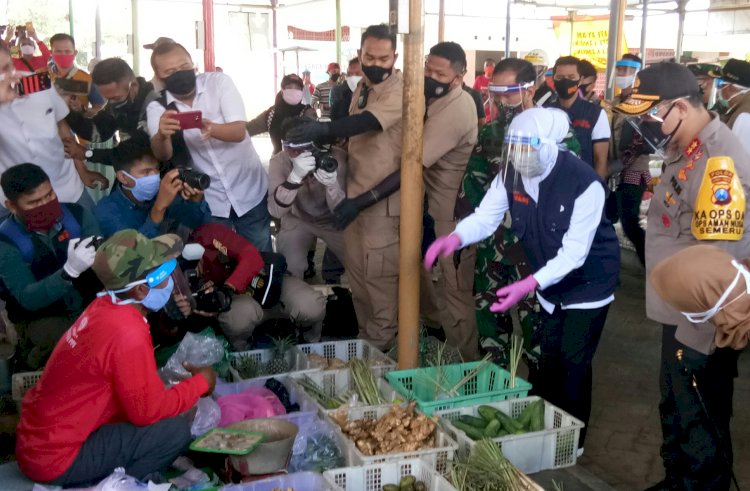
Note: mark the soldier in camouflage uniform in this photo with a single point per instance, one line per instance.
(500, 259)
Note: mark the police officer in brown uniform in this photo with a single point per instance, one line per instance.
(303, 194)
(450, 133)
(370, 213)
(700, 197)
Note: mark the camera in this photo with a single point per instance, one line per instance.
(96, 242)
(195, 179)
(208, 298)
(216, 300)
(324, 160)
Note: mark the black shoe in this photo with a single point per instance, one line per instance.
(667, 484)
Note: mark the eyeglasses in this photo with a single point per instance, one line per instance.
(654, 111)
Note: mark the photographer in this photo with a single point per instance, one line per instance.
(45, 247)
(221, 147)
(232, 265)
(148, 203)
(124, 113)
(303, 195)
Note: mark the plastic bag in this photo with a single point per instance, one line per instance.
(316, 449)
(255, 402)
(195, 349)
(207, 416)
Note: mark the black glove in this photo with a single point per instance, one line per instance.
(346, 212)
(310, 131)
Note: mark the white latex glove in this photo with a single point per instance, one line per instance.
(80, 256)
(302, 165)
(327, 179)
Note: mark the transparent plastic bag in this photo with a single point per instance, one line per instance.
(315, 449)
(196, 349)
(207, 416)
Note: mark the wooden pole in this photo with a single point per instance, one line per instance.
(412, 192)
(136, 38)
(338, 32)
(209, 62)
(441, 22)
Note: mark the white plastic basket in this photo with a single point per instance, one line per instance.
(554, 447)
(297, 361)
(300, 481)
(337, 383)
(374, 477)
(347, 350)
(21, 383)
(437, 458)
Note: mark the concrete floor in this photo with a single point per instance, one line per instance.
(622, 447)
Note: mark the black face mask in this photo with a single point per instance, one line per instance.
(376, 74)
(335, 77)
(565, 88)
(434, 89)
(654, 136)
(181, 83)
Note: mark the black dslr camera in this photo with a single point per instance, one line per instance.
(324, 160)
(195, 179)
(208, 297)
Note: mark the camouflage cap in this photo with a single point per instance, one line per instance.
(128, 256)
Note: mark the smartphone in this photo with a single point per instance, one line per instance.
(34, 83)
(72, 87)
(189, 119)
(29, 27)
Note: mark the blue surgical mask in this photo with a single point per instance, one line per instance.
(146, 188)
(157, 298)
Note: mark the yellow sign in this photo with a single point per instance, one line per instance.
(589, 40)
(720, 207)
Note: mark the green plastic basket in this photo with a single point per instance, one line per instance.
(490, 384)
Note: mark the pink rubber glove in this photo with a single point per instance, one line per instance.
(510, 295)
(443, 246)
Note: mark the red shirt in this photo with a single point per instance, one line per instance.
(229, 257)
(102, 371)
(38, 63)
(481, 83)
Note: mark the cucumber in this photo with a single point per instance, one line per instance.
(471, 432)
(525, 418)
(487, 413)
(492, 429)
(479, 423)
(537, 418)
(510, 424)
(390, 487)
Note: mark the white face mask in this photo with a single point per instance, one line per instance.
(625, 82)
(292, 96)
(352, 81)
(529, 164)
(701, 317)
(27, 50)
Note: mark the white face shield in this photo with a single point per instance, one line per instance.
(524, 151)
(506, 100)
(701, 317)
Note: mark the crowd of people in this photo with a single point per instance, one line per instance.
(524, 175)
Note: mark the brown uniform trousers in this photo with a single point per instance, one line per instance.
(372, 240)
(450, 134)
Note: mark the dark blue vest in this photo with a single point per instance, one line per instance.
(540, 227)
(583, 117)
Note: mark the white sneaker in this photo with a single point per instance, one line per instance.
(579, 452)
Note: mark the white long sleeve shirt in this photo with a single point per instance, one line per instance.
(576, 242)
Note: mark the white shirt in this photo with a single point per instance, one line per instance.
(741, 130)
(601, 130)
(576, 243)
(238, 180)
(29, 134)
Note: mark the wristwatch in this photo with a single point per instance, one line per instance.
(88, 153)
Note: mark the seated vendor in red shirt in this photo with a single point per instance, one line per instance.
(100, 403)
